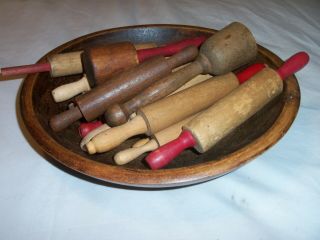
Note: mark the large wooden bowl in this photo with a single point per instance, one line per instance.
(252, 138)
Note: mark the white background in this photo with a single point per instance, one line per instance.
(276, 196)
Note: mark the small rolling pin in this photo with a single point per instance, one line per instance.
(158, 139)
(213, 124)
(102, 62)
(87, 127)
(70, 63)
(170, 110)
(121, 88)
(225, 51)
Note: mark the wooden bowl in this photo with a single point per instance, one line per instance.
(249, 140)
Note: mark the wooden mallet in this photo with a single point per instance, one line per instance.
(209, 127)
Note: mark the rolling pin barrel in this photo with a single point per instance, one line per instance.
(101, 62)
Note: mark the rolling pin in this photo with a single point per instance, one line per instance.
(102, 62)
(121, 88)
(170, 110)
(230, 48)
(62, 64)
(213, 124)
(87, 127)
(70, 63)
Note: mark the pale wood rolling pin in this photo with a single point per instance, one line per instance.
(213, 124)
(170, 110)
(87, 127)
(102, 62)
(121, 87)
(225, 51)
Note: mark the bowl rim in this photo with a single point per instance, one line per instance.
(164, 177)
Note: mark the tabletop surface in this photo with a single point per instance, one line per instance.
(276, 196)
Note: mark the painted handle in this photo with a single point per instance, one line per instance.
(165, 154)
(293, 64)
(169, 49)
(87, 127)
(249, 72)
(25, 69)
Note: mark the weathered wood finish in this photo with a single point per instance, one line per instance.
(252, 138)
(65, 64)
(209, 127)
(104, 61)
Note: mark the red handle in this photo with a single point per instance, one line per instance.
(25, 69)
(165, 154)
(293, 64)
(250, 72)
(170, 49)
(85, 128)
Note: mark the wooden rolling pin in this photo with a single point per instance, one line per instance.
(230, 48)
(170, 110)
(213, 124)
(121, 88)
(87, 127)
(70, 63)
(102, 62)
(62, 64)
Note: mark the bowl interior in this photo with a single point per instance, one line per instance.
(44, 107)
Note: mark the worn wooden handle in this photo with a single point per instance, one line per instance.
(67, 91)
(64, 119)
(113, 137)
(130, 154)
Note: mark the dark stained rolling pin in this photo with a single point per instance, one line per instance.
(102, 62)
(62, 64)
(121, 88)
(170, 110)
(213, 124)
(230, 48)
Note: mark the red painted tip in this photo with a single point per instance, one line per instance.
(293, 64)
(25, 69)
(166, 153)
(170, 49)
(85, 128)
(250, 72)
